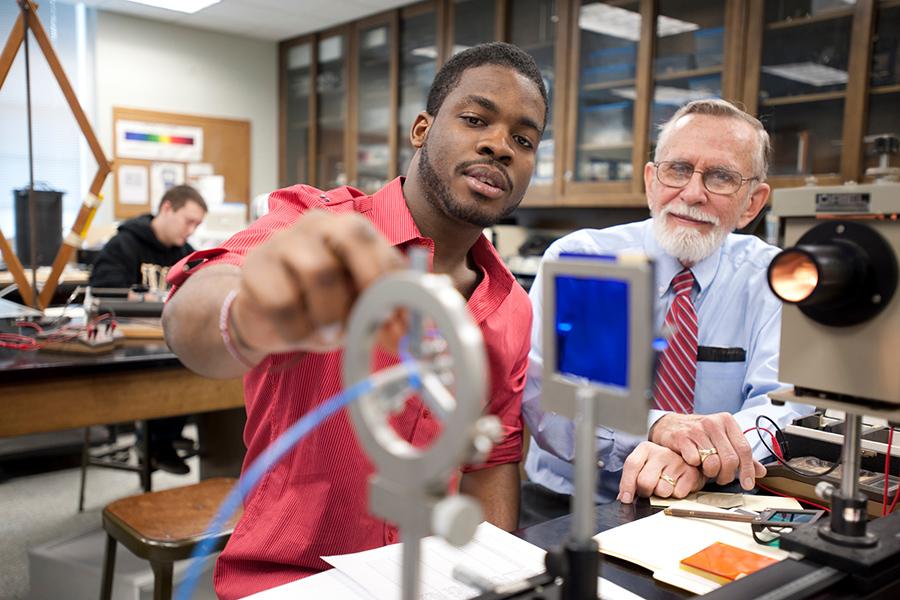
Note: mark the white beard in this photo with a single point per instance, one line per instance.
(687, 244)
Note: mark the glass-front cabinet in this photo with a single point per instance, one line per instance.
(688, 56)
(803, 83)
(331, 108)
(608, 34)
(884, 82)
(296, 91)
(373, 106)
(822, 75)
(419, 57)
(473, 22)
(534, 26)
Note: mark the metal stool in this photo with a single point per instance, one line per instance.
(163, 527)
(112, 459)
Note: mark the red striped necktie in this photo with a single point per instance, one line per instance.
(677, 369)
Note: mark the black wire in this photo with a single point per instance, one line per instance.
(800, 472)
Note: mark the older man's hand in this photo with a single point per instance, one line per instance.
(654, 470)
(714, 443)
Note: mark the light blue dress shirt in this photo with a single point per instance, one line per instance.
(735, 309)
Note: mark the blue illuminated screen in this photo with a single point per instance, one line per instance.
(592, 329)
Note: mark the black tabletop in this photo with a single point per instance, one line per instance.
(20, 365)
(631, 577)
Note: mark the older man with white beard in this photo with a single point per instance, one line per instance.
(707, 179)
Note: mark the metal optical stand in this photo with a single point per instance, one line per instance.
(598, 341)
(409, 485)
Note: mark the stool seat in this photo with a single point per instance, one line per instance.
(165, 526)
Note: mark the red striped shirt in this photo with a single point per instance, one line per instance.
(314, 502)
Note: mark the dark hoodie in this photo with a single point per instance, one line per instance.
(119, 263)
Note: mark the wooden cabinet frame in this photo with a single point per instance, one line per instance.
(283, 50)
(391, 20)
(744, 33)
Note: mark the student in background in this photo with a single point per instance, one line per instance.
(142, 251)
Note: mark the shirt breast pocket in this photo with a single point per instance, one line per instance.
(720, 380)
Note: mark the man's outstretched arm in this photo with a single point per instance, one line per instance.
(293, 292)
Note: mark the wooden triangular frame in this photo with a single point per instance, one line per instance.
(89, 206)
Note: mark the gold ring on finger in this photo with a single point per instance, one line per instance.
(669, 479)
(706, 453)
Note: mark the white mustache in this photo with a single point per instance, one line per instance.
(691, 212)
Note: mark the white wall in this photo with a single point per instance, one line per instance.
(158, 66)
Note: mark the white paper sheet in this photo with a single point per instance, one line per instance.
(494, 554)
(134, 184)
(163, 175)
(328, 584)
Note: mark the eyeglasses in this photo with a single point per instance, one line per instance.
(676, 174)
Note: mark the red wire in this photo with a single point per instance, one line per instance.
(34, 326)
(801, 500)
(894, 503)
(16, 341)
(775, 445)
(887, 471)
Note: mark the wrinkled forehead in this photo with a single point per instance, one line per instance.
(708, 141)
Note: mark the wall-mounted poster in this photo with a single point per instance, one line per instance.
(134, 183)
(158, 141)
(162, 177)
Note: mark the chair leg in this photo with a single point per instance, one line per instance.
(109, 568)
(146, 469)
(85, 453)
(162, 580)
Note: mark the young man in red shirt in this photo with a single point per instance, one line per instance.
(285, 286)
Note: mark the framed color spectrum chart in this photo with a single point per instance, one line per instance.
(143, 138)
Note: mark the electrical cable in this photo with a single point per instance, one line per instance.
(887, 472)
(271, 455)
(775, 443)
(17, 341)
(801, 500)
(782, 461)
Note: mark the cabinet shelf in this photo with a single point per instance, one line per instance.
(799, 22)
(885, 89)
(330, 121)
(602, 147)
(688, 74)
(605, 85)
(801, 98)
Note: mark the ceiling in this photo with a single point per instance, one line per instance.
(262, 19)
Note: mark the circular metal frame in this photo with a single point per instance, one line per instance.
(433, 296)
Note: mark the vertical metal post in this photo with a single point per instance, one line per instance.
(851, 456)
(32, 216)
(585, 467)
(581, 554)
(847, 526)
(411, 552)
